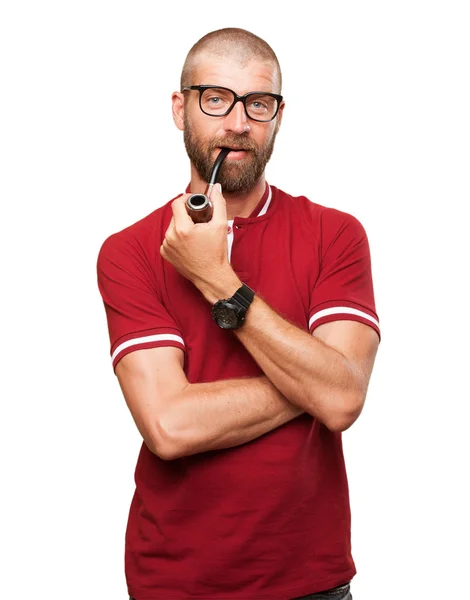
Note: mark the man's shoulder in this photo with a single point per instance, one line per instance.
(314, 213)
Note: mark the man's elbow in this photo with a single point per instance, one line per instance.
(340, 423)
(168, 454)
(345, 415)
(165, 444)
(163, 451)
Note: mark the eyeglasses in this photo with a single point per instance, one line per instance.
(219, 101)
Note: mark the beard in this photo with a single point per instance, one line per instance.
(235, 176)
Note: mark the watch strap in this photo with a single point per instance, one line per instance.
(244, 296)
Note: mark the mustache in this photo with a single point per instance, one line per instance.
(237, 142)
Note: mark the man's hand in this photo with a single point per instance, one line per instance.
(199, 250)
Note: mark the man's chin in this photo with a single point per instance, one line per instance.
(236, 167)
(236, 178)
(237, 186)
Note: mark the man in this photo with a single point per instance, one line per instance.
(241, 489)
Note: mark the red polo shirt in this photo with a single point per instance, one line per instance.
(270, 519)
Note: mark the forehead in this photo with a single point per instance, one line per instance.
(241, 77)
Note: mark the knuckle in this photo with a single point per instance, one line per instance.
(220, 224)
(167, 243)
(182, 232)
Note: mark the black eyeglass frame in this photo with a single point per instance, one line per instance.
(242, 99)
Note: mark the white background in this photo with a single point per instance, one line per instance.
(376, 124)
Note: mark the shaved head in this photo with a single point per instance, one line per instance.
(233, 43)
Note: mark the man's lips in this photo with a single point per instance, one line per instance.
(236, 152)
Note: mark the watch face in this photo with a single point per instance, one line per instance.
(226, 315)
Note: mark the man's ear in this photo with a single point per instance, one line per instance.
(177, 101)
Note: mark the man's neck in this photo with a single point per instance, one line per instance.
(239, 204)
(243, 204)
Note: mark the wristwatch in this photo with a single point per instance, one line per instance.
(230, 313)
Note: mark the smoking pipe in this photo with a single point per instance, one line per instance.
(199, 206)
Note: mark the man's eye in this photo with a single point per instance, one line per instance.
(258, 107)
(215, 100)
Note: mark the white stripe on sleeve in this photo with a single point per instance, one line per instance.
(161, 337)
(341, 310)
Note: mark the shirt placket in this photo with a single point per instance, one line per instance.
(237, 256)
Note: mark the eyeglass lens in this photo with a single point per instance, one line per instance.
(217, 101)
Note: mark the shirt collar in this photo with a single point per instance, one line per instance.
(261, 208)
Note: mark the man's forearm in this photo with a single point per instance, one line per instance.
(312, 375)
(223, 414)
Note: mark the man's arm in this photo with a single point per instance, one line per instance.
(176, 418)
(326, 375)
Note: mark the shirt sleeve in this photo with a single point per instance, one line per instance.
(135, 315)
(344, 288)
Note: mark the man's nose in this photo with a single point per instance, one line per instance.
(236, 120)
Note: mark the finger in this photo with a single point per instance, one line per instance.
(180, 214)
(219, 206)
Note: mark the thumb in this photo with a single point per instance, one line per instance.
(218, 203)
